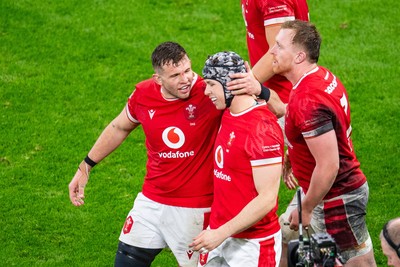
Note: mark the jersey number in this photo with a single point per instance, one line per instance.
(345, 105)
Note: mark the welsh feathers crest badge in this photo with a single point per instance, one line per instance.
(191, 112)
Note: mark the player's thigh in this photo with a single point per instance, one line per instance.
(254, 252)
(180, 226)
(143, 223)
(287, 233)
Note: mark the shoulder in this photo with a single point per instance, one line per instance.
(262, 118)
(198, 82)
(145, 84)
(146, 87)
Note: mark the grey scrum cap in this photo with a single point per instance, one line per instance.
(219, 66)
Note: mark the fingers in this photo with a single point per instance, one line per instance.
(72, 194)
(290, 182)
(247, 65)
(77, 186)
(293, 223)
(203, 251)
(199, 244)
(236, 76)
(289, 179)
(293, 182)
(240, 86)
(293, 226)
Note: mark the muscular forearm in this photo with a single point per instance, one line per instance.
(254, 211)
(266, 181)
(321, 182)
(324, 149)
(276, 105)
(262, 70)
(111, 137)
(107, 142)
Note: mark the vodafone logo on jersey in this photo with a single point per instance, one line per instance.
(219, 160)
(219, 157)
(173, 137)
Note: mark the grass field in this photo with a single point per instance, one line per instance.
(67, 68)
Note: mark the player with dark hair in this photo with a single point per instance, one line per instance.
(318, 129)
(248, 153)
(180, 125)
(390, 241)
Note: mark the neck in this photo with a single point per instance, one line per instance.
(299, 72)
(242, 102)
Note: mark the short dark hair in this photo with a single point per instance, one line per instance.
(305, 35)
(165, 53)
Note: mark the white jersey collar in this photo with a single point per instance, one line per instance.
(305, 75)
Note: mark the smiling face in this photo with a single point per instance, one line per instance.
(175, 79)
(215, 92)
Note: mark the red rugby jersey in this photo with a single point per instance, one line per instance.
(319, 103)
(251, 138)
(180, 135)
(260, 13)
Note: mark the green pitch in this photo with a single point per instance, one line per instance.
(67, 68)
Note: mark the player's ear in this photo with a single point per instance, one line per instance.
(157, 79)
(300, 57)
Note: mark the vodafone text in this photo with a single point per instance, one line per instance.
(332, 86)
(221, 175)
(176, 155)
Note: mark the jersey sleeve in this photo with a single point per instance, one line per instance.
(265, 145)
(277, 11)
(313, 117)
(131, 107)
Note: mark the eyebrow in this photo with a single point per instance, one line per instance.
(176, 74)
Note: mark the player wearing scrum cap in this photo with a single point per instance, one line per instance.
(180, 125)
(248, 153)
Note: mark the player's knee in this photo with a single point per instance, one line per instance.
(134, 256)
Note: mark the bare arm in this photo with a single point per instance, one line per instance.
(276, 105)
(263, 68)
(287, 173)
(324, 149)
(111, 137)
(246, 83)
(266, 180)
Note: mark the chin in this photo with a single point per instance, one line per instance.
(221, 106)
(217, 106)
(184, 96)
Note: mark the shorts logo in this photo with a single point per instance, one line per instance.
(189, 253)
(173, 137)
(128, 225)
(219, 157)
(203, 259)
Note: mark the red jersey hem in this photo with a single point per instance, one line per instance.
(191, 202)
